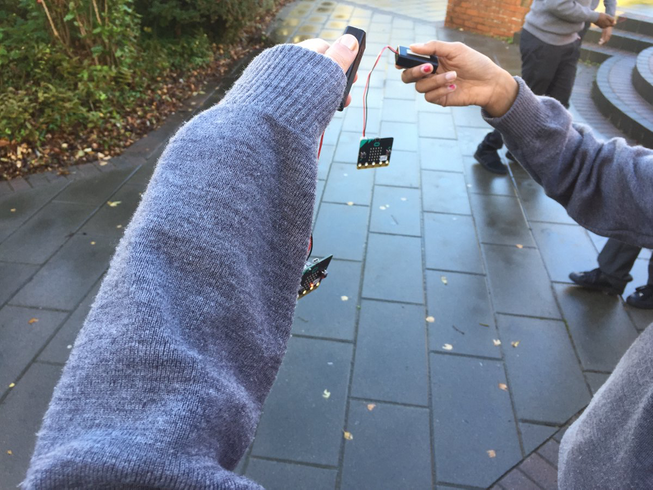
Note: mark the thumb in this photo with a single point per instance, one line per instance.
(438, 48)
(343, 51)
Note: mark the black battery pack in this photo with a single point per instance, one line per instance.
(405, 58)
(353, 69)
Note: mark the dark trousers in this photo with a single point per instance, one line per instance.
(547, 70)
(617, 259)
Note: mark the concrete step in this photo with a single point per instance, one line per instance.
(635, 22)
(624, 40)
(643, 75)
(617, 99)
(598, 54)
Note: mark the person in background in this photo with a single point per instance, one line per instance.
(550, 48)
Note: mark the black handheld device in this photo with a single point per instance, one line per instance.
(351, 73)
(405, 58)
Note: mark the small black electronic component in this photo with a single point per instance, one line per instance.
(314, 272)
(374, 152)
(353, 69)
(405, 58)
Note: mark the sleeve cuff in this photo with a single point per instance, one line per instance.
(299, 87)
(594, 16)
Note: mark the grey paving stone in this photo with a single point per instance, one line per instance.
(404, 134)
(14, 276)
(550, 452)
(462, 313)
(546, 381)
(518, 282)
(596, 380)
(516, 480)
(348, 184)
(74, 269)
(20, 416)
(319, 192)
(25, 204)
(323, 313)
(533, 435)
(354, 120)
(20, 184)
(540, 471)
(350, 222)
(538, 206)
(42, 235)
(451, 244)
(106, 221)
(58, 349)
(391, 362)
(20, 341)
(469, 139)
(471, 416)
(440, 154)
(599, 241)
(598, 324)
(564, 249)
(445, 192)
(403, 170)
(324, 164)
(275, 475)
(423, 105)
(483, 182)
(499, 220)
(143, 174)
(641, 318)
(347, 148)
(395, 110)
(396, 210)
(469, 116)
(390, 449)
(640, 277)
(435, 125)
(298, 423)
(375, 98)
(393, 269)
(396, 89)
(94, 190)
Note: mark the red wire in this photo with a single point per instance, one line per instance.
(319, 149)
(367, 85)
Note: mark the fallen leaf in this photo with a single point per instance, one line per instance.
(11, 385)
(113, 204)
(496, 342)
(92, 243)
(430, 319)
(33, 320)
(119, 226)
(350, 203)
(348, 436)
(9, 452)
(483, 324)
(403, 199)
(13, 210)
(447, 347)
(515, 343)
(382, 208)
(519, 245)
(491, 453)
(444, 280)
(69, 346)
(370, 406)
(503, 386)
(103, 163)
(64, 145)
(4, 142)
(326, 394)
(344, 298)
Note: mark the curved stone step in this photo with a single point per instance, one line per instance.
(643, 75)
(617, 99)
(635, 22)
(626, 41)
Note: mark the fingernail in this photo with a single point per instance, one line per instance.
(450, 76)
(427, 68)
(452, 87)
(350, 41)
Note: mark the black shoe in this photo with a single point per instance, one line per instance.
(597, 280)
(642, 297)
(511, 157)
(490, 160)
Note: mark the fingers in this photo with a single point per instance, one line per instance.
(438, 48)
(343, 51)
(438, 95)
(317, 45)
(436, 82)
(416, 73)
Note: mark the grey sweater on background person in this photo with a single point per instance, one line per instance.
(166, 381)
(558, 22)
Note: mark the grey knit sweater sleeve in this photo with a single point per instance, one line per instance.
(606, 187)
(167, 378)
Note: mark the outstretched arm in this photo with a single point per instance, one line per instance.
(168, 376)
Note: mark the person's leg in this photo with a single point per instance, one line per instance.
(565, 75)
(643, 295)
(539, 62)
(650, 271)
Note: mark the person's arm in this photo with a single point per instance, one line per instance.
(605, 186)
(610, 7)
(166, 381)
(571, 11)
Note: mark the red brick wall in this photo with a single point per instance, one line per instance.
(490, 17)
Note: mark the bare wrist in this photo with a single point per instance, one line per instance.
(503, 96)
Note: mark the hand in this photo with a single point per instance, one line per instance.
(604, 20)
(464, 77)
(343, 52)
(605, 35)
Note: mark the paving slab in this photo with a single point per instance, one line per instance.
(324, 163)
(111, 220)
(440, 154)
(74, 269)
(544, 361)
(396, 211)
(276, 475)
(516, 480)
(471, 416)
(599, 326)
(519, 282)
(538, 469)
(353, 120)
(298, 423)
(21, 414)
(393, 269)
(347, 147)
(596, 380)
(348, 184)
(469, 116)
(395, 110)
(641, 318)
(18, 274)
(403, 170)
(533, 435)
(371, 462)
(436, 125)
(331, 311)
(480, 181)
(404, 134)
(391, 363)
(550, 452)
(499, 220)
(94, 190)
(350, 222)
(445, 192)
(469, 139)
(537, 205)
(450, 243)
(20, 340)
(462, 314)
